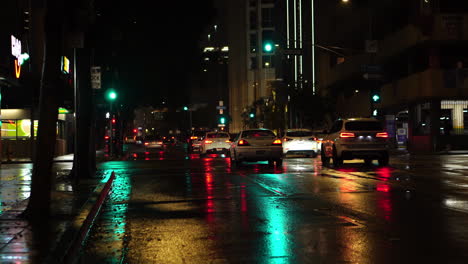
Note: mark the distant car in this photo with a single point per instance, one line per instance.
(300, 141)
(195, 140)
(129, 140)
(215, 142)
(138, 140)
(355, 138)
(256, 145)
(169, 140)
(153, 142)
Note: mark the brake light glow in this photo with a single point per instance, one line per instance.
(382, 135)
(287, 139)
(314, 139)
(208, 141)
(277, 142)
(146, 143)
(227, 141)
(243, 143)
(193, 137)
(347, 135)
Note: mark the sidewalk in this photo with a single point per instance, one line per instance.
(23, 241)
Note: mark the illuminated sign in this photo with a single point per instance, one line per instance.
(16, 52)
(62, 110)
(65, 65)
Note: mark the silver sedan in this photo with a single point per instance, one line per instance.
(256, 145)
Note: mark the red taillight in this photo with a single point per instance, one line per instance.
(347, 135)
(382, 135)
(193, 137)
(287, 139)
(314, 139)
(106, 137)
(277, 142)
(146, 143)
(243, 143)
(208, 141)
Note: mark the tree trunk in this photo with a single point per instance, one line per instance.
(41, 181)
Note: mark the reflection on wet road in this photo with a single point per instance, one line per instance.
(190, 209)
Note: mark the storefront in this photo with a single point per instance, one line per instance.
(16, 133)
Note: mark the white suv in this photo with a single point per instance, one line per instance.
(355, 138)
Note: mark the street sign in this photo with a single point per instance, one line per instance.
(292, 51)
(96, 77)
(372, 76)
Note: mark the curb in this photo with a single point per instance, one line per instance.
(73, 239)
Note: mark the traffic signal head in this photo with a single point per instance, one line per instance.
(185, 108)
(252, 115)
(113, 121)
(222, 120)
(135, 130)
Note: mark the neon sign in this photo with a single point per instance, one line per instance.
(65, 65)
(16, 52)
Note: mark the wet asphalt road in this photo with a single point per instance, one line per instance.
(172, 207)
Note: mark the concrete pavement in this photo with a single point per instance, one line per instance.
(72, 207)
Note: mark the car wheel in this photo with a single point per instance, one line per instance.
(383, 161)
(325, 160)
(337, 161)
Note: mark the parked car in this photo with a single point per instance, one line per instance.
(215, 142)
(300, 141)
(256, 145)
(355, 138)
(153, 142)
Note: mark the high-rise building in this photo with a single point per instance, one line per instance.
(253, 50)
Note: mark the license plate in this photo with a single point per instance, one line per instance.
(260, 152)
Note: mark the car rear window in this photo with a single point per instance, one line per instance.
(218, 135)
(299, 134)
(257, 133)
(363, 126)
(199, 133)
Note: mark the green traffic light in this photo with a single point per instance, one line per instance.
(376, 98)
(252, 115)
(111, 95)
(268, 47)
(222, 120)
(185, 108)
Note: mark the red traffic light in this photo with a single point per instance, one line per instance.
(135, 130)
(113, 120)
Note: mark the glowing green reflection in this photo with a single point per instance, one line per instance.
(277, 239)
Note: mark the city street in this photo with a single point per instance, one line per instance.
(168, 206)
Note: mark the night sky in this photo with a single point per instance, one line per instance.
(158, 46)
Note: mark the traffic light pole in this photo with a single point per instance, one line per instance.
(111, 132)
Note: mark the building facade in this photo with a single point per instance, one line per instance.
(413, 58)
